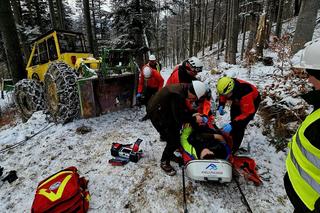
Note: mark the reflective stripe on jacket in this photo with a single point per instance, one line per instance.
(303, 164)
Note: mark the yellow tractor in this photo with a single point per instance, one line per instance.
(66, 81)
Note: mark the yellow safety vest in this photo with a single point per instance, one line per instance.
(184, 142)
(303, 164)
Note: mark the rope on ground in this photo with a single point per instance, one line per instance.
(25, 140)
(244, 199)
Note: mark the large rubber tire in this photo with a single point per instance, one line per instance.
(28, 97)
(61, 93)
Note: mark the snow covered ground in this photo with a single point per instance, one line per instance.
(142, 186)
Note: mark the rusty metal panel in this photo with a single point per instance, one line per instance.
(114, 93)
(100, 96)
(87, 99)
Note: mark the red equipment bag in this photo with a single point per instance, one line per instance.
(64, 191)
(246, 167)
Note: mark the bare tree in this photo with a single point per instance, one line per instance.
(16, 6)
(11, 41)
(183, 38)
(191, 24)
(297, 5)
(86, 13)
(212, 24)
(305, 25)
(279, 19)
(233, 30)
(95, 48)
(54, 23)
(61, 15)
(205, 17)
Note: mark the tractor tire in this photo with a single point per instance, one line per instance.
(28, 97)
(61, 93)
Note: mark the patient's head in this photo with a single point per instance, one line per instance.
(215, 150)
(207, 154)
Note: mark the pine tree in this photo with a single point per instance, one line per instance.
(130, 19)
(11, 41)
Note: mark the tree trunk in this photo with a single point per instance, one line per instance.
(61, 15)
(260, 38)
(232, 40)
(38, 16)
(86, 13)
(269, 7)
(227, 35)
(54, 23)
(176, 38)
(297, 5)
(244, 30)
(252, 33)
(198, 27)
(205, 26)
(183, 38)
(16, 6)
(305, 25)
(212, 24)
(157, 27)
(279, 19)
(191, 20)
(219, 29)
(95, 48)
(30, 11)
(11, 42)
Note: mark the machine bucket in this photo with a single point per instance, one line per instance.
(103, 95)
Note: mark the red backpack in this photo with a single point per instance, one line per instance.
(64, 191)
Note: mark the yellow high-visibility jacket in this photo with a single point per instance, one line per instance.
(303, 162)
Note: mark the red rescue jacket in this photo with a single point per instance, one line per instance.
(243, 96)
(155, 81)
(205, 105)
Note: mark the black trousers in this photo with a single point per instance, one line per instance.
(148, 93)
(237, 132)
(169, 132)
(297, 203)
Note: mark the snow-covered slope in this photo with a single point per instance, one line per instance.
(140, 187)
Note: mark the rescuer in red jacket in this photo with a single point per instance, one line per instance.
(245, 102)
(150, 81)
(185, 73)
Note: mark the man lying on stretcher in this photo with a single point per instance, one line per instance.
(202, 144)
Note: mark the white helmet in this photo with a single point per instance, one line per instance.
(147, 72)
(196, 63)
(199, 88)
(310, 56)
(152, 58)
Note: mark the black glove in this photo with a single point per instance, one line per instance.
(12, 176)
(208, 94)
